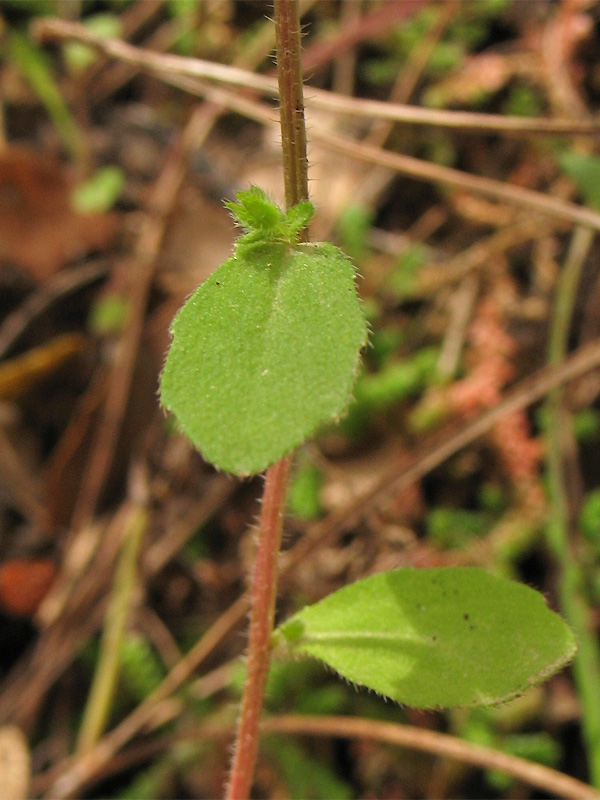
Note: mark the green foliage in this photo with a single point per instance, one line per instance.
(440, 149)
(353, 229)
(376, 392)
(99, 192)
(434, 637)
(584, 170)
(267, 349)
(178, 8)
(403, 39)
(35, 68)
(79, 56)
(264, 222)
(394, 383)
(472, 28)
(523, 101)
(586, 425)
(538, 747)
(398, 380)
(306, 777)
(411, 32)
(533, 746)
(384, 343)
(301, 687)
(379, 71)
(445, 57)
(156, 781)
(148, 785)
(469, 30)
(492, 497)
(452, 527)
(402, 280)
(589, 517)
(109, 315)
(140, 667)
(185, 15)
(303, 497)
(466, 32)
(37, 8)
(428, 414)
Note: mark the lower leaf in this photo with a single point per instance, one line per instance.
(434, 637)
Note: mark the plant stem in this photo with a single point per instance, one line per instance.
(264, 588)
(586, 667)
(262, 614)
(291, 101)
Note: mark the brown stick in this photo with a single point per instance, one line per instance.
(407, 165)
(411, 737)
(441, 744)
(162, 65)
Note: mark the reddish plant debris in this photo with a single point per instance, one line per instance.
(24, 582)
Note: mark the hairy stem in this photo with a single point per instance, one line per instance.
(264, 589)
(261, 626)
(291, 101)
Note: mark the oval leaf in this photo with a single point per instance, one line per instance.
(264, 352)
(434, 637)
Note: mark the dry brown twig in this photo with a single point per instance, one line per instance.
(165, 64)
(441, 744)
(167, 67)
(411, 737)
(406, 165)
(434, 173)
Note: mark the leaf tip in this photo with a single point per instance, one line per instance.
(263, 220)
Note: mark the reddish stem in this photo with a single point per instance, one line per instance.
(264, 589)
(264, 592)
(291, 101)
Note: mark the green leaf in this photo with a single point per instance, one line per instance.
(585, 171)
(99, 192)
(265, 222)
(267, 349)
(253, 211)
(434, 637)
(298, 216)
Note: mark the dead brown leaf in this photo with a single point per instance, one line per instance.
(39, 231)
